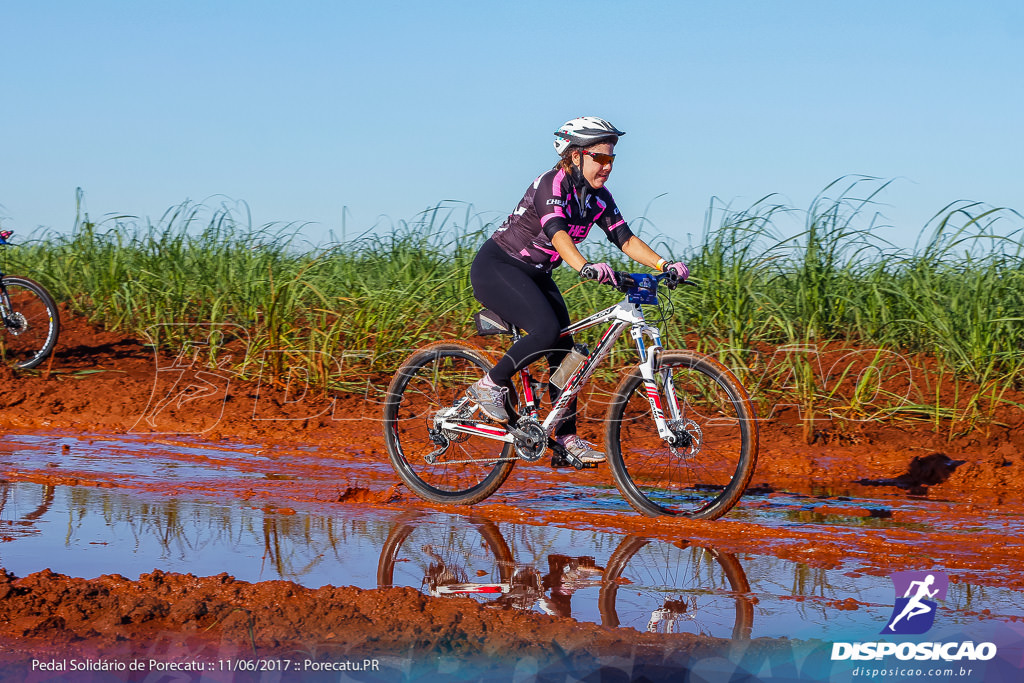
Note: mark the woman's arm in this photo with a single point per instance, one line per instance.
(567, 250)
(636, 249)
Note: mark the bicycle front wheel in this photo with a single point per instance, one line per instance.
(30, 322)
(442, 467)
(704, 473)
(676, 587)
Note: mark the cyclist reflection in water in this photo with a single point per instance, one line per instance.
(566, 575)
(511, 274)
(552, 592)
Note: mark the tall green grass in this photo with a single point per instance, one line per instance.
(956, 298)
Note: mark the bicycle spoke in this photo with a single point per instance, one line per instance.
(438, 464)
(30, 324)
(704, 473)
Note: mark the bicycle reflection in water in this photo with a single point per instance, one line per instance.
(21, 506)
(645, 584)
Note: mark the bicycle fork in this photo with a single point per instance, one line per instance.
(649, 368)
(14, 323)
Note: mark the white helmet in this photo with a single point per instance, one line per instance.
(584, 132)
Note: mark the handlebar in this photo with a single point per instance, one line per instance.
(628, 281)
(632, 283)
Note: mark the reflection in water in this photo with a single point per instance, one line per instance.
(645, 584)
(589, 575)
(88, 531)
(690, 587)
(20, 507)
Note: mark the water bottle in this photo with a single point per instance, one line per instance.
(570, 364)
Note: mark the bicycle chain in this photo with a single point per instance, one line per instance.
(432, 456)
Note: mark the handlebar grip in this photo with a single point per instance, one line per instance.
(624, 280)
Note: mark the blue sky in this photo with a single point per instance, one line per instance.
(303, 108)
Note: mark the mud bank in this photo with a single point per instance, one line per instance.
(178, 617)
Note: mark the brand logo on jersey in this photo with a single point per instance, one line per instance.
(578, 232)
(556, 202)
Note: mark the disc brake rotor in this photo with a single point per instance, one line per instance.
(689, 437)
(16, 324)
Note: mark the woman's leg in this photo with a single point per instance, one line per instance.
(529, 300)
(562, 347)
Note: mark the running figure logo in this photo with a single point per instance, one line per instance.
(914, 613)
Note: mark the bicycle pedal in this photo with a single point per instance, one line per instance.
(560, 459)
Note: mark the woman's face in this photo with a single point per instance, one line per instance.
(595, 172)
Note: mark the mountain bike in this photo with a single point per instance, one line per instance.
(681, 434)
(31, 324)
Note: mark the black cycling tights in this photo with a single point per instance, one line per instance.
(528, 298)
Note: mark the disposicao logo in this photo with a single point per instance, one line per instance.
(913, 614)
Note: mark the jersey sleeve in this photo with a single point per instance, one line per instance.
(611, 221)
(549, 202)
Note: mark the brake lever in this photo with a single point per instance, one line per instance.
(672, 284)
(625, 282)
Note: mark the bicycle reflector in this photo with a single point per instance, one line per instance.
(645, 291)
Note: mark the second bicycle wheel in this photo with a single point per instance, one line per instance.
(442, 467)
(676, 587)
(30, 322)
(706, 471)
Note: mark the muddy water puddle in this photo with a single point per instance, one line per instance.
(145, 458)
(589, 574)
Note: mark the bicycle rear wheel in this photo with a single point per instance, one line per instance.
(462, 558)
(31, 324)
(452, 468)
(716, 430)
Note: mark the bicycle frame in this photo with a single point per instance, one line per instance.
(625, 314)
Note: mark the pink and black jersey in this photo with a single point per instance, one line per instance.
(553, 203)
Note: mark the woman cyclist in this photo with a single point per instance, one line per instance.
(511, 274)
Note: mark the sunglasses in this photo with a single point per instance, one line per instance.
(603, 159)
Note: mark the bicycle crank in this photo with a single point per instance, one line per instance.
(563, 458)
(530, 439)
